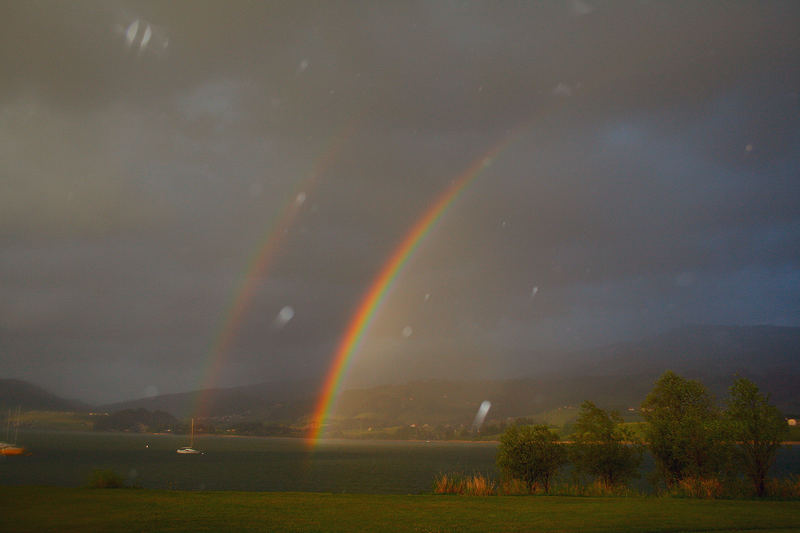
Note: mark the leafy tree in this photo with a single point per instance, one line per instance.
(531, 454)
(758, 429)
(603, 448)
(684, 430)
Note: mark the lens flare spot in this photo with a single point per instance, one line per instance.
(141, 36)
(131, 31)
(480, 416)
(283, 317)
(562, 89)
(148, 34)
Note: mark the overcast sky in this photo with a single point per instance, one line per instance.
(147, 149)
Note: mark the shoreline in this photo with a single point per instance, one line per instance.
(283, 437)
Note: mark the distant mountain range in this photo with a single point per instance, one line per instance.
(17, 393)
(274, 401)
(617, 376)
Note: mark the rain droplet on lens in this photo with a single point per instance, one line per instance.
(283, 317)
(480, 416)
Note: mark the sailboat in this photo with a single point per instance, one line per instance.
(12, 449)
(190, 448)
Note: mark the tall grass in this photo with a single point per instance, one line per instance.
(785, 488)
(695, 487)
(448, 483)
(735, 488)
(513, 487)
(469, 485)
(595, 488)
(703, 488)
(481, 485)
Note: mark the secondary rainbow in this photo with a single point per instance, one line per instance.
(372, 299)
(258, 265)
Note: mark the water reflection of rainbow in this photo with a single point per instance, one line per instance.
(257, 267)
(382, 283)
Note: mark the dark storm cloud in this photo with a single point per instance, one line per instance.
(652, 181)
(470, 61)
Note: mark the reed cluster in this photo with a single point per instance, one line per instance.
(693, 487)
(468, 485)
(785, 488)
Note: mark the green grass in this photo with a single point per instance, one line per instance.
(55, 420)
(24, 509)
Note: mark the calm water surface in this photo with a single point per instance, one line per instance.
(264, 464)
(261, 464)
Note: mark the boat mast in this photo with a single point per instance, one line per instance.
(16, 424)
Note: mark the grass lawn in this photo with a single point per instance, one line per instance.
(68, 509)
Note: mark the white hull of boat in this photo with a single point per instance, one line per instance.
(188, 450)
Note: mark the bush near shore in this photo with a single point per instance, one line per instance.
(700, 450)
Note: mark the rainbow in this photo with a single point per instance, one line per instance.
(381, 285)
(257, 267)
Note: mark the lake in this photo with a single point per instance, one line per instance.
(236, 463)
(261, 464)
